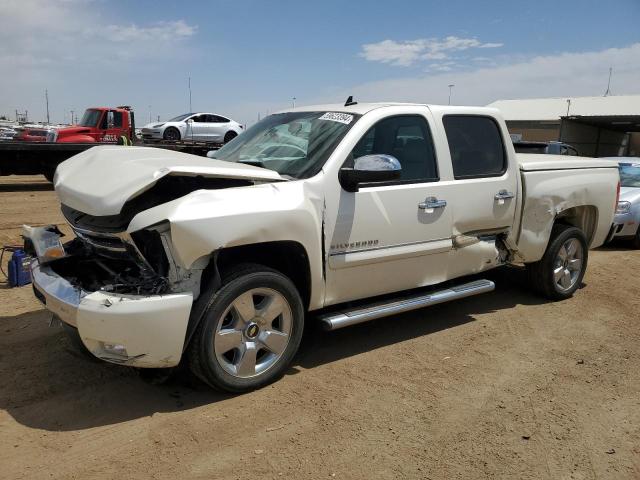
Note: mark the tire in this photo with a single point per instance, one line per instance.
(234, 348)
(229, 136)
(49, 173)
(635, 243)
(171, 134)
(560, 271)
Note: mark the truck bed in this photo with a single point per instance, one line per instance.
(535, 162)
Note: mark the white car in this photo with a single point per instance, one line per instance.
(201, 127)
(340, 220)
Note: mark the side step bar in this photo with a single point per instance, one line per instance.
(341, 319)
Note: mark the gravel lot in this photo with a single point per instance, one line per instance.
(503, 385)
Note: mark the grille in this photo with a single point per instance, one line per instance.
(103, 241)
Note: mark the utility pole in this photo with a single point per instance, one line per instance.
(608, 92)
(451, 85)
(190, 108)
(72, 122)
(150, 114)
(46, 96)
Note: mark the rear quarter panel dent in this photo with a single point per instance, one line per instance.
(550, 193)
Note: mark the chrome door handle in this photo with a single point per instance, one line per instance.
(504, 195)
(432, 202)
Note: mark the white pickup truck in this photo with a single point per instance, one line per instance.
(333, 213)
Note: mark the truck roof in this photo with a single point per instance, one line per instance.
(362, 108)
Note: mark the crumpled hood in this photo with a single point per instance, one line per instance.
(100, 180)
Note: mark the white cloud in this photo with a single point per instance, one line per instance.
(411, 51)
(61, 33)
(563, 74)
(160, 31)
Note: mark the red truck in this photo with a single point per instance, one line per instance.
(98, 125)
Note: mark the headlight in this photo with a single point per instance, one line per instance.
(158, 125)
(623, 207)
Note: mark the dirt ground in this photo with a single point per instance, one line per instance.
(503, 385)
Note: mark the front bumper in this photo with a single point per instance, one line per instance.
(152, 133)
(138, 330)
(625, 225)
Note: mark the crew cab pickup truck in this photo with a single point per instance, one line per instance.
(352, 213)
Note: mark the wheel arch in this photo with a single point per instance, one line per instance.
(584, 217)
(287, 257)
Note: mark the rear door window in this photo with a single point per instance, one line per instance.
(476, 146)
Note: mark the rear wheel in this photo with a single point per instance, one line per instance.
(250, 331)
(171, 134)
(229, 136)
(560, 271)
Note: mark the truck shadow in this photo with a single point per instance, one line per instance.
(43, 186)
(46, 385)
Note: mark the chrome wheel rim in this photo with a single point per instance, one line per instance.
(568, 264)
(253, 333)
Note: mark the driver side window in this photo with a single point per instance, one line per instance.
(407, 138)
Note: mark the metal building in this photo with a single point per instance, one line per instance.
(596, 126)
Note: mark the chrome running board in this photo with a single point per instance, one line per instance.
(345, 318)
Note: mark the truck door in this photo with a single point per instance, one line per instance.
(393, 236)
(112, 126)
(484, 187)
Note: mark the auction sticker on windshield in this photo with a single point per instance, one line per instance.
(337, 117)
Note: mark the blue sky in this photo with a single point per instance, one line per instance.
(249, 57)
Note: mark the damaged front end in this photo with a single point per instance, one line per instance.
(127, 299)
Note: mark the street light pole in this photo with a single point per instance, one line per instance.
(451, 85)
(46, 97)
(293, 103)
(190, 108)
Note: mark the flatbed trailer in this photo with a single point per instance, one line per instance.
(33, 158)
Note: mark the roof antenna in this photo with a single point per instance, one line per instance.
(350, 101)
(608, 92)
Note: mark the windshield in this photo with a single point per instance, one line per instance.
(90, 118)
(629, 175)
(179, 118)
(295, 144)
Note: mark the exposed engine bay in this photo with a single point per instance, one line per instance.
(87, 269)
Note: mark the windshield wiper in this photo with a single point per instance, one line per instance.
(253, 161)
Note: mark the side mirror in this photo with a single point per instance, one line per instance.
(110, 120)
(370, 168)
(190, 121)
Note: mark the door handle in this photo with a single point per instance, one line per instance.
(503, 195)
(431, 203)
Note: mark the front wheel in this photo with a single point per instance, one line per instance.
(171, 134)
(250, 331)
(560, 271)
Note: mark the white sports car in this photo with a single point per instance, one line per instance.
(202, 127)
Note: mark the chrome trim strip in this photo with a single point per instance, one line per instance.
(384, 247)
(336, 320)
